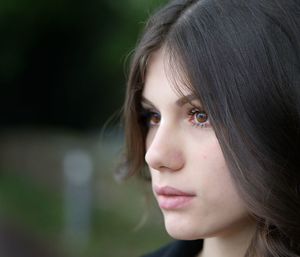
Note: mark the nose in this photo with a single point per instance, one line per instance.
(163, 150)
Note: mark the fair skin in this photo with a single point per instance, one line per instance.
(190, 179)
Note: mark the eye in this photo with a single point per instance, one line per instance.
(198, 118)
(154, 119)
(151, 118)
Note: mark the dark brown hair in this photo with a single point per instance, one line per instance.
(242, 58)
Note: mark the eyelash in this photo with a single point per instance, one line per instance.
(148, 114)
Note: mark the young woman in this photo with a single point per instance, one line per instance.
(213, 110)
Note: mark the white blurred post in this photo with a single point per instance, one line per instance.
(78, 171)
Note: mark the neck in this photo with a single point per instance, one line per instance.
(234, 244)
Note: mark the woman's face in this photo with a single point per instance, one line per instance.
(190, 179)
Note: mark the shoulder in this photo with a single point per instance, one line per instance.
(178, 248)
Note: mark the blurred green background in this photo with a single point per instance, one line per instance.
(63, 71)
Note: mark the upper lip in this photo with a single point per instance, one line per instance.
(171, 191)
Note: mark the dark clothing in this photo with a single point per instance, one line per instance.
(179, 249)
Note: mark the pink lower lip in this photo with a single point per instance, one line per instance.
(171, 202)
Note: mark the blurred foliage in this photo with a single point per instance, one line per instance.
(62, 62)
(23, 200)
(31, 218)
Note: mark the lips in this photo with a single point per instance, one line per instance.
(170, 198)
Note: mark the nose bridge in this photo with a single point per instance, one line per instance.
(164, 150)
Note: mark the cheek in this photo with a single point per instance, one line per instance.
(214, 178)
(207, 156)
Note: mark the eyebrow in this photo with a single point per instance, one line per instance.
(186, 99)
(180, 102)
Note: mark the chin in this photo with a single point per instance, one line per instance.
(181, 230)
(182, 235)
(186, 228)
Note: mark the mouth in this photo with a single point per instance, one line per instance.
(170, 198)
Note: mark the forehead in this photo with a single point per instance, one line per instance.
(161, 72)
